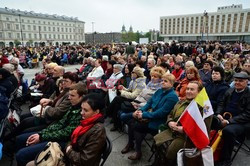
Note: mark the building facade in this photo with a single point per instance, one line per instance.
(229, 23)
(103, 38)
(30, 28)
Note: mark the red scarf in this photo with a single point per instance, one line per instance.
(86, 124)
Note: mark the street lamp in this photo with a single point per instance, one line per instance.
(21, 29)
(205, 25)
(93, 23)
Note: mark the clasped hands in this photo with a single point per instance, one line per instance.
(174, 126)
(137, 114)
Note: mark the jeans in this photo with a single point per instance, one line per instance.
(126, 117)
(25, 153)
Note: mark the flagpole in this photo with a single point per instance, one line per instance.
(184, 111)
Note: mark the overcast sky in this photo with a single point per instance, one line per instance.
(110, 15)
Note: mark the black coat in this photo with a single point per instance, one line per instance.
(215, 92)
(243, 106)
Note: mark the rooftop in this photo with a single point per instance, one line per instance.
(18, 12)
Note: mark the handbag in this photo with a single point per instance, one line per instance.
(193, 156)
(51, 155)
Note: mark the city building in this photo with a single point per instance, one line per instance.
(103, 38)
(30, 28)
(229, 23)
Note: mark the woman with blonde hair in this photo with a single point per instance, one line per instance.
(127, 109)
(148, 118)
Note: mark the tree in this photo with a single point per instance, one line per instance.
(17, 43)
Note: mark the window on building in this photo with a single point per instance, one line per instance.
(8, 26)
(61, 23)
(1, 35)
(17, 27)
(23, 27)
(9, 35)
(49, 23)
(7, 19)
(66, 29)
(58, 23)
(24, 35)
(34, 21)
(39, 22)
(67, 37)
(34, 27)
(22, 20)
(53, 23)
(16, 20)
(44, 28)
(35, 36)
(18, 35)
(28, 21)
(69, 29)
(54, 36)
(29, 35)
(62, 29)
(58, 36)
(54, 29)
(44, 22)
(58, 29)
(49, 28)
(29, 28)
(49, 36)
(70, 37)
(62, 36)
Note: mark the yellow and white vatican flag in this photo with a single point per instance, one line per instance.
(203, 100)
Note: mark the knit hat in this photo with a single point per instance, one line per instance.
(138, 71)
(40, 77)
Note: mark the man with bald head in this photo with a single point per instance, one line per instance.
(58, 73)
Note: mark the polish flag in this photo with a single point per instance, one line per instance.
(194, 126)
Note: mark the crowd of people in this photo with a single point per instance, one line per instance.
(144, 87)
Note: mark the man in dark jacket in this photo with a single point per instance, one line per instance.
(234, 113)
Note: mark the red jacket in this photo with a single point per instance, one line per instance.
(3, 61)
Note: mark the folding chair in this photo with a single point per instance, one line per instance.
(107, 150)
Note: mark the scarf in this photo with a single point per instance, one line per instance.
(86, 124)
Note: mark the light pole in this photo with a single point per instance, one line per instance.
(205, 26)
(93, 23)
(21, 29)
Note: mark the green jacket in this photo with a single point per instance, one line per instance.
(62, 129)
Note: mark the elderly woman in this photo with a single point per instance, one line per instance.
(217, 87)
(89, 138)
(148, 118)
(191, 75)
(136, 86)
(154, 84)
(174, 135)
(95, 74)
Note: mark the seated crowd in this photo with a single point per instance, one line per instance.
(145, 90)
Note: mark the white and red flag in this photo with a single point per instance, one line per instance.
(194, 126)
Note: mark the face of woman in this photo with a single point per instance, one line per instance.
(198, 60)
(109, 66)
(67, 83)
(87, 111)
(166, 84)
(216, 76)
(155, 78)
(133, 76)
(235, 62)
(190, 75)
(126, 69)
(97, 64)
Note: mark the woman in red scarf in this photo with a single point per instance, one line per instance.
(88, 139)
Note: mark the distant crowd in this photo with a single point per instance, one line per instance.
(145, 87)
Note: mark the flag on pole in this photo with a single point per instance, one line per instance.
(203, 100)
(194, 126)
